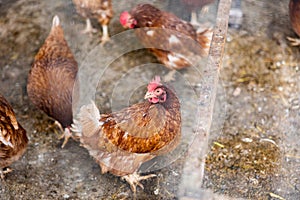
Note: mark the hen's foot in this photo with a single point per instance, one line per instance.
(104, 39)
(294, 41)
(66, 133)
(134, 180)
(89, 28)
(5, 171)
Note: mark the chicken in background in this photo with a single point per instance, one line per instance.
(52, 76)
(165, 30)
(13, 139)
(235, 14)
(121, 141)
(294, 12)
(195, 5)
(95, 9)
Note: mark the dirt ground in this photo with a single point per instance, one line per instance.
(254, 143)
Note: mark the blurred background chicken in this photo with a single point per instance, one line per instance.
(196, 5)
(52, 76)
(294, 12)
(95, 9)
(13, 139)
(121, 141)
(174, 39)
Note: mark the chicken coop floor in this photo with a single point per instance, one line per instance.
(253, 150)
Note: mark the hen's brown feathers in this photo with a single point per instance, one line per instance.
(13, 139)
(142, 128)
(294, 11)
(147, 15)
(52, 76)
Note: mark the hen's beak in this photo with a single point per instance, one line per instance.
(149, 95)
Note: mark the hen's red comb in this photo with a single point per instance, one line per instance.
(154, 83)
(124, 17)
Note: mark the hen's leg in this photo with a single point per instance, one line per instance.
(194, 18)
(89, 28)
(105, 35)
(294, 41)
(134, 180)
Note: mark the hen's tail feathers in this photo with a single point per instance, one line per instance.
(88, 121)
(204, 38)
(55, 21)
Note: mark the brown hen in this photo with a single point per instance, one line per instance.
(121, 141)
(174, 39)
(294, 12)
(52, 76)
(95, 9)
(13, 139)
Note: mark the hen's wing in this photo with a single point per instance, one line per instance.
(173, 48)
(141, 128)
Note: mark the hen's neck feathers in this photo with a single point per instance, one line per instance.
(146, 15)
(172, 101)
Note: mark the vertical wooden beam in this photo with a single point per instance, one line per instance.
(193, 170)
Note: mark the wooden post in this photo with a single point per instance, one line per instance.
(193, 170)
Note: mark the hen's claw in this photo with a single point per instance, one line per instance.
(294, 41)
(4, 171)
(56, 123)
(134, 180)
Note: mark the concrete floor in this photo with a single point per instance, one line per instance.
(254, 142)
